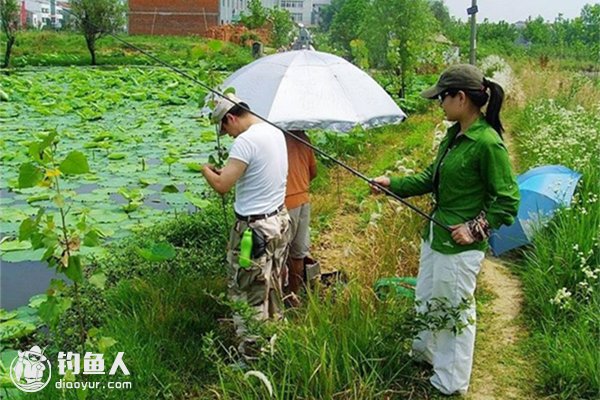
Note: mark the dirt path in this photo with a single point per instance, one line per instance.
(500, 370)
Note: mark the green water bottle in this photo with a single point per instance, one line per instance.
(246, 249)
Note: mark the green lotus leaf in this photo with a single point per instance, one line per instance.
(117, 156)
(13, 245)
(23, 255)
(15, 329)
(35, 301)
(6, 315)
(75, 163)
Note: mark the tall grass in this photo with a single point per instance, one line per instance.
(343, 344)
(561, 271)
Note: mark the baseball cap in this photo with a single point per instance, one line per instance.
(224, 104)
(458, 76)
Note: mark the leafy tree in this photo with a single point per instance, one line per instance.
(440, 12)
(397, 33)
(499, 37)
(9, 18)
(282, 26)
(537, 31)
(347, 22)
(97, 18)
(590, 18)
(328, 13)
(257, 17)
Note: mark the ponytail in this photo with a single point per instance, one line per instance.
(492, 115)
(494, 102)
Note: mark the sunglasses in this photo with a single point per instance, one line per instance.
(445, 94)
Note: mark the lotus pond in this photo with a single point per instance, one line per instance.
(142, 134)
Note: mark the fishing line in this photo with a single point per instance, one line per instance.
(304, 142)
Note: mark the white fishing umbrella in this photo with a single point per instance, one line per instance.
(307, 89)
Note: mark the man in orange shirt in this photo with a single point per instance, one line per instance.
(302, 169)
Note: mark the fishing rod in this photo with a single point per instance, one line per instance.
(223, 202)
(304, 142)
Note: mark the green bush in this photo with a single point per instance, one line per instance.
(561, 270)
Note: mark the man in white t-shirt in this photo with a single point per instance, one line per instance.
(258, 168)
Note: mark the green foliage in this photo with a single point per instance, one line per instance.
(577, 38)
(257, 16)
(360, 53)
(344, 146)
(30, 175)
(158, 252)
(440, 12)
(282, 26)
(75, 163)
(67, 48)
(170, 315)
(9, 21)
(347, 22)
(328, 13)
(396, 34)
(351, 343)
(560, 272)
(96, 18)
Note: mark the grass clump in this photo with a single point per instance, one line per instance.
(560, 271)
(345, 343)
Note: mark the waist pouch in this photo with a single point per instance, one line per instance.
(259, 244)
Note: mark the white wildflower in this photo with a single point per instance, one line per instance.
(562, 298)
(589, 273)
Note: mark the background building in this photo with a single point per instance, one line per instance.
(302, 11)
(172, 17)
(186, 17)
(40, 14)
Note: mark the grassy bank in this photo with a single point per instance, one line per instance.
(47, 48)
(560, 272)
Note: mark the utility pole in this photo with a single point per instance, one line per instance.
(472, 11)
(53, 20)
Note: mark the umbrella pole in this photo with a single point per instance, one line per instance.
(316, 149)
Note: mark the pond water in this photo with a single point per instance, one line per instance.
(140, 132)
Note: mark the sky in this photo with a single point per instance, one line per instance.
(518, 10)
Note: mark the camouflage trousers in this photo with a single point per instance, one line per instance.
(260, 284)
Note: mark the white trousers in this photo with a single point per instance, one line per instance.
(452, 277)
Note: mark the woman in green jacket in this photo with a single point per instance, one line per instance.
(474, 191)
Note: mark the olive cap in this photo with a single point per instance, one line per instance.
(458, 76)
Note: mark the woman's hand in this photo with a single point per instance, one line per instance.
(461, 234)
(383, 181)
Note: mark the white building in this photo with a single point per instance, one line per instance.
(302, 11)
(42, 13)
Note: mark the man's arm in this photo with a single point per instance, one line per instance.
(222, 181)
